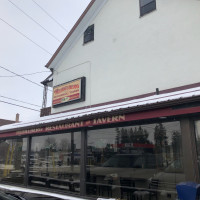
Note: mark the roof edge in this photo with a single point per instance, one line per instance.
(169, 90)
(70, 33)
(136, 109)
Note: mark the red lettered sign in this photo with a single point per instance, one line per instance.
(67, 92)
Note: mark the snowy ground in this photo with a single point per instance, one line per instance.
(32, 191)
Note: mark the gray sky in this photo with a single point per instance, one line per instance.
(20, 55)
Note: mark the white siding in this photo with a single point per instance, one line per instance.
(131, 55)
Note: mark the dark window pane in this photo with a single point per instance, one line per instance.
(147, 6)
(89, 34)
(119, 160)
(145, 2)
(197, 130)
(13, 159)
(55, 161)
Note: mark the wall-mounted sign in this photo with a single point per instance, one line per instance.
(72, 125)
(70, 92)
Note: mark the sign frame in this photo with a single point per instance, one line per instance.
(82, 92)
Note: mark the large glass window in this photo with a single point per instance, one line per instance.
(135, 161)
(197, 130)
(13, 159)
(55, 161)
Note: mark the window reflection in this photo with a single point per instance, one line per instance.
(55, 161)
(12, 160)
(197, 130)
(121, 160)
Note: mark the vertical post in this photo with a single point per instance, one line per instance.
(83, 162)
(28, 152)
(44, 102)
(189, 150)
(72, 148)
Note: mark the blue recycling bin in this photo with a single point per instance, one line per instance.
(188, 190)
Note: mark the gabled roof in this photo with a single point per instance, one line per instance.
(76, 32)
(136, 105)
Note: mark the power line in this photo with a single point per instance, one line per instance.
(50, 16)
(18, 101)
(34, 21)
(24, 74)
(26, 37)
(19, 106)
(21, 77)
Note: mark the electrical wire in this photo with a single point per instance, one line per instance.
(24, 74)
(26, 37)
(34, 21)
(22, 77)
(61, 26)
(19, 106)
(19, 101)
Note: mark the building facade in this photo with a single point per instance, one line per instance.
(125, 106)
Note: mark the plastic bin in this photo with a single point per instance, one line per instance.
(188, 190)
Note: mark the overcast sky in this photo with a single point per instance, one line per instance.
(28, 39)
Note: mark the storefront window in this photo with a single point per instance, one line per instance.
(12, 160)
(197, 130)
(132, 161)
(55, 161)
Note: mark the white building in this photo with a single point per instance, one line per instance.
(131, 55)
(125, 106)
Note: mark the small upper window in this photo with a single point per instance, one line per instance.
(147, 6)
(89, 34)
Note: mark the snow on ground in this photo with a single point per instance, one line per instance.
(27, 190)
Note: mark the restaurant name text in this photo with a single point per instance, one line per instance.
(93, 122)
